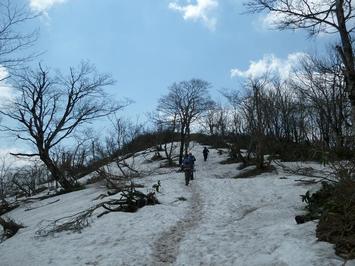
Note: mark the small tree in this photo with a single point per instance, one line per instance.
(186, 102)
(48, 110)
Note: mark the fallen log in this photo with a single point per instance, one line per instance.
(131, 201)
(6, 207)
(10, 227)
(118, 190)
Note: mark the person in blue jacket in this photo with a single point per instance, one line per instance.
(187, 167)
(192, 160)
(205, 153)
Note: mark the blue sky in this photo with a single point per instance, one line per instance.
(148, 44)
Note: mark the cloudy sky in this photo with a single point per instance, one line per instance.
(149, 44)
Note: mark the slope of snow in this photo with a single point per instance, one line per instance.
(224, 221)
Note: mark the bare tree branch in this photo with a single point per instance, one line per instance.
(13, 42)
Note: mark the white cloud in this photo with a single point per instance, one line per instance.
(201, 11)
(269, 64)
(6, 91)
(271, 20)
(44, 5)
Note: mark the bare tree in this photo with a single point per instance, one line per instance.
(234, 99)
(186, 101)
(254, 108)
(258, 114)
(48, 110)
(215, 119)
(165, 129)
(169, 145)
(26, 179)
(123, 132)
(5, 169)
(73, 160)
(13, 41)
(320, 83)
(333, 16)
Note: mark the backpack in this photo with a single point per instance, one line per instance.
(186, 163)
(192, 159)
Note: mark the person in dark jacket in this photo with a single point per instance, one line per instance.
(187, 167)
(192, 161)
(205, 153)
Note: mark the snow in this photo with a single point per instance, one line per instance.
(224, 221)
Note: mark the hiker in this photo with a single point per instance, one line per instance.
(187, 167)
(205, 153)
(192, 161)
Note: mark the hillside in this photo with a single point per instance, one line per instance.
(223, 221)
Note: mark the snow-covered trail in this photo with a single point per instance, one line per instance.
(224, 221)
(167, 246)
(241, 222)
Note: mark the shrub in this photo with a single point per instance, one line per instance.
(337, 222)
(334, 206)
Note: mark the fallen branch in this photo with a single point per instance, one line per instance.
(307, 181)
(308, 172)
(130, 201)
(33, 208)
(76, 223)
(32, 199)
(115, 182)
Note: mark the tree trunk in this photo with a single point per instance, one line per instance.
(353, 117)
(187, 140)
(182, 144)
(168, 152)
(259, 154)
(57, 175)
(346, 53)
(259, 131)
